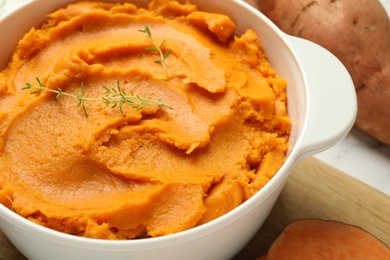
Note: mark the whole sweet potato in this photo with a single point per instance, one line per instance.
(357, 32)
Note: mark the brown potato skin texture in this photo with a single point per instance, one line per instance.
(357, 32)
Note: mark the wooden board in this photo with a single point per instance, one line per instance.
(314, 190)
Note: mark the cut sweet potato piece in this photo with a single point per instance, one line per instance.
(326, 239)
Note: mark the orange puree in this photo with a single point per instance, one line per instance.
(146, 172)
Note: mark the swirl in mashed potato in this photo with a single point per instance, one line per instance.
(140, 173)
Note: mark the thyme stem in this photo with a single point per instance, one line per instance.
(157, 47)
(114, 97)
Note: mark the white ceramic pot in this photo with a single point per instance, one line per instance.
(321, 104)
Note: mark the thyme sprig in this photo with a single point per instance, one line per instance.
(157, 47)
(114, 97)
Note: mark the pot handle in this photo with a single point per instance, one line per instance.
(332, 106)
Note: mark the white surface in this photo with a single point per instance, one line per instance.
(362, 157)
(357, 155)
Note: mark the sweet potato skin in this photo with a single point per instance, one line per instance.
(326, 239)
(357, 32)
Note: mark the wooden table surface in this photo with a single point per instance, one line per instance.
(313, 190)
(317, 190)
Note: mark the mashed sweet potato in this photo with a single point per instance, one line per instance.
(146, 172)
